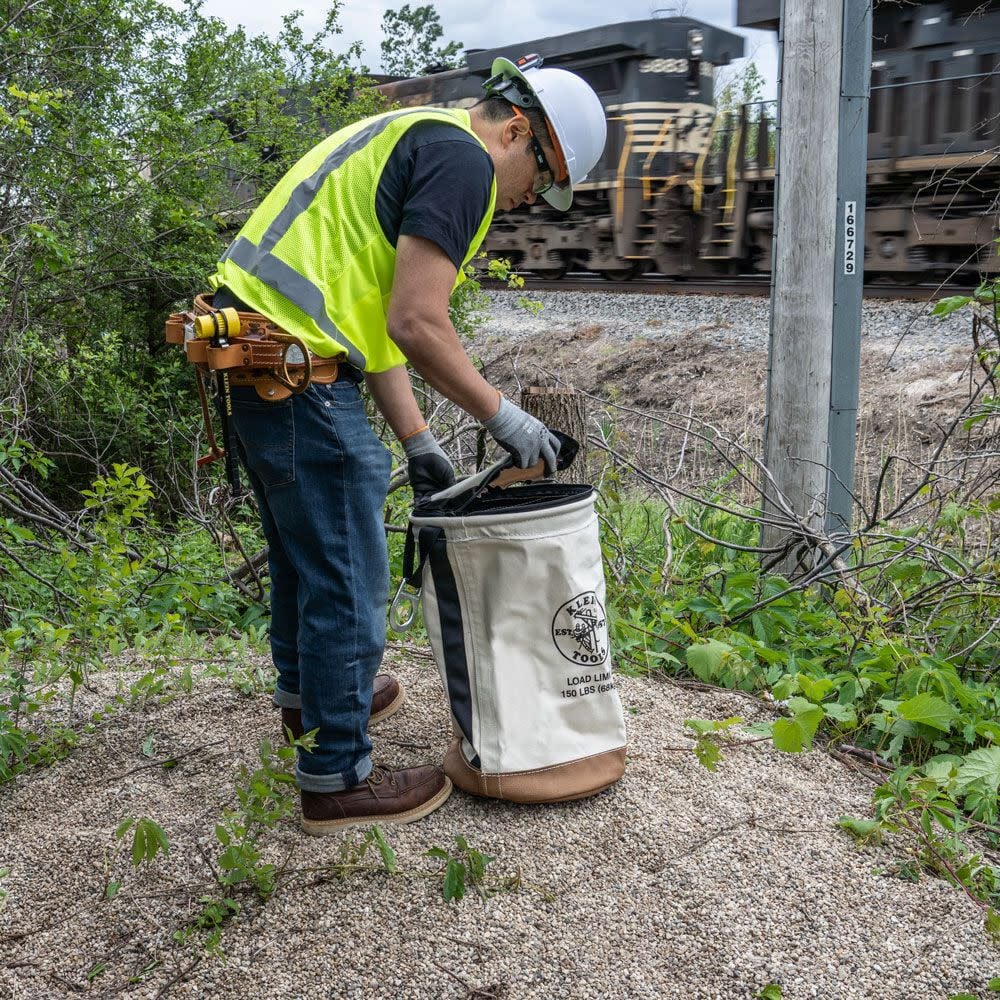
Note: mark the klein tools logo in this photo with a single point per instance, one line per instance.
(580, 630)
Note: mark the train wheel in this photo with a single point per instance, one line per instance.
(621, 273)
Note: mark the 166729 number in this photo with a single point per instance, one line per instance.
(850, 237)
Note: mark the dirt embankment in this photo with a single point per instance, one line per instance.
(655, 385)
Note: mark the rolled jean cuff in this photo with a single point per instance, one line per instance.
(285, 699)
(334, 782)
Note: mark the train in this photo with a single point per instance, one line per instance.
(684, 191)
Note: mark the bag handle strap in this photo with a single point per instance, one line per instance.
(422, 543)
(403, 609)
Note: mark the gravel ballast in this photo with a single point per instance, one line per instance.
(738, 321)
(675, 883)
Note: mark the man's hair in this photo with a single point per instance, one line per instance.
(498, 109)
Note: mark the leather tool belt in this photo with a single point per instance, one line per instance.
(276, 363)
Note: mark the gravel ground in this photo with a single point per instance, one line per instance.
(728, 320)
(676, 883)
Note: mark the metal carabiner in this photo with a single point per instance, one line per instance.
(403, 609)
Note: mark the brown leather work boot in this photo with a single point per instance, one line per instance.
(383, 797)
(387, 696)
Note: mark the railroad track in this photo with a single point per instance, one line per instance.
(653, 285)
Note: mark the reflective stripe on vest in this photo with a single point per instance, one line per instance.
(260, 262)
(300, 291)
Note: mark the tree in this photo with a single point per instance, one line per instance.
(744, 86)
(408, 46)
(133, 139)
(732, 92)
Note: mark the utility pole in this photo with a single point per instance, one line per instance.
(818, 271)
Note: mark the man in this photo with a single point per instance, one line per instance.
(356, 251)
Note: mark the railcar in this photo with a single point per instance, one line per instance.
(933, 144)
(683, 191)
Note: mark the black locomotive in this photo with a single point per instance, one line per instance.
(685, 192)
(655, 79)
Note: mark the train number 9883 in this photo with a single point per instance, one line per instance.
(663, 66)
(679, 66)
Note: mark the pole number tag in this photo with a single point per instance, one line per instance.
(850, 237)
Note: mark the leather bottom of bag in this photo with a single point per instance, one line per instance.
(576, 779)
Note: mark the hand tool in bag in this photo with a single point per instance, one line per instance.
(569, 448)
(500, 475)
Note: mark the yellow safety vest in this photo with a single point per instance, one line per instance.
(313, 257)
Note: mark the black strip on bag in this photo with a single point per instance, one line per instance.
(433, 542)
(411, 571)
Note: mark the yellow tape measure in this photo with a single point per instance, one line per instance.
(220, 322)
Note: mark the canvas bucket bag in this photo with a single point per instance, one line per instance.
(512, 592)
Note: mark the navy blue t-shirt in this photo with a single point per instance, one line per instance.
(436, 184)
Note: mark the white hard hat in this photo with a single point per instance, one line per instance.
(572, 108)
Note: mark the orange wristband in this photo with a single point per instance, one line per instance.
(419, 430)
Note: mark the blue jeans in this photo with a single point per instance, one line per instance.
(321, 476)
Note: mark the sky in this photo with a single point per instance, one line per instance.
(484, 25)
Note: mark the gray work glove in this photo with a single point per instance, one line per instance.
(523, 436)
(429, 467)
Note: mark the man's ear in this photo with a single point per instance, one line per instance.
(515, 127)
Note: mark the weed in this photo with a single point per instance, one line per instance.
(265, 798)
(463, 867)
(148, 839)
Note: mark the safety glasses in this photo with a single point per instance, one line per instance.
(546, 176)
